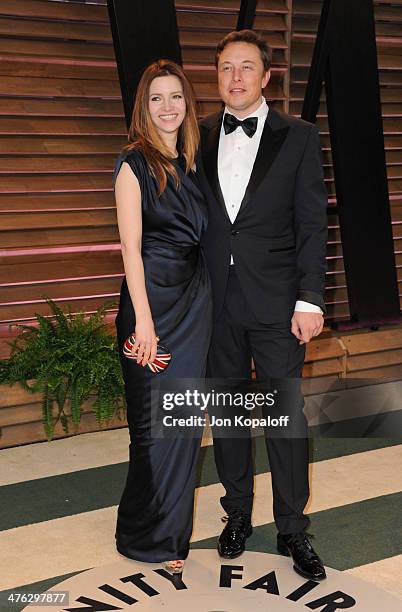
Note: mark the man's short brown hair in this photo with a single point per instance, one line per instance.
(247, 36)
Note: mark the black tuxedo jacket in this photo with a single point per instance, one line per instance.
(278, 239)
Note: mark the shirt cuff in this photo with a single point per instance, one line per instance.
(302, 306)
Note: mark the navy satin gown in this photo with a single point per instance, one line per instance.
(155, 514)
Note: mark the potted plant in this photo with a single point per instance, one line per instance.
(67, 358)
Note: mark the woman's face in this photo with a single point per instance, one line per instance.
(167, 105)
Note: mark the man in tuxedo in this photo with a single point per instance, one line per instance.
(265, 245)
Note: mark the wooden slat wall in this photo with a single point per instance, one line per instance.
(61, 127)
(305, 17)
(62, 123)
(388, 21)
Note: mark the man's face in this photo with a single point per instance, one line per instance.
(241, 77)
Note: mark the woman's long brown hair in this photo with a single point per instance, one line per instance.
(144, 136)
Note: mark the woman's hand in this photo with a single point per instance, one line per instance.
(145, 340)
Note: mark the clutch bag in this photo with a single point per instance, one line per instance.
(162, 358)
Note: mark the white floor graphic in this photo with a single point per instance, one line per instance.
(254, 581)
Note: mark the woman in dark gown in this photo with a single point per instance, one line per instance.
(165, 293)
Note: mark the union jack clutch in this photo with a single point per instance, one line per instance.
(162, 358)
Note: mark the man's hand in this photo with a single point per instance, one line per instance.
(306, 325)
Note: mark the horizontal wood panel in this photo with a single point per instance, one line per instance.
(395, 186)
(324, 349)
(74, 107)
(334, 249)
(393, 371)
(61, 289)
(16, 396)
(395, 171)
(302, 54)
(59, 144)
(393, 2)
(22, 66)
(389, 78)
(337, 312)
(335, 295)
(60, 88)
(26, 312)
(297, 92)
(48, 220)
(335, 282)
(190, 20)
(273, 23)
(336, 269)
(230, 6)
(56, 49)
(50, 266)
(330, 367)
(376, 360)
(381, 12)
(277, 6)
(29, 413)
(55, 29)
(388, 14)
(56, 163)
(56, 201)
(223, 6)
(306, 7)
(392, 142)
(61, 182)
(207, 107)
(60, 237)
(54, 10)
(358, 344)
(91, 126)
(388, 29)
(26, 433)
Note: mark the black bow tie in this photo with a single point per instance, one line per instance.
(249, 125)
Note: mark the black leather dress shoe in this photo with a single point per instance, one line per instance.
(232, 540)
(306, 561)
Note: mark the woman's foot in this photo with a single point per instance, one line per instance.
(173, 567)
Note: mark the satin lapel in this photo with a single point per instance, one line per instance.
(210, 161)
(272, 139)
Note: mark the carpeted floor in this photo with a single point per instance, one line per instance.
(58, 508)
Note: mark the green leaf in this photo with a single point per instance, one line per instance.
(68, 358)
(47, 414)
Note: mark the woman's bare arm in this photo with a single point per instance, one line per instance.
(129, 219)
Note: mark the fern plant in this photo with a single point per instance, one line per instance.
(67, 358)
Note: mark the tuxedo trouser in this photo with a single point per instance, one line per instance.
(236, 337)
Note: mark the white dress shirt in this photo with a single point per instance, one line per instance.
(236, 157)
